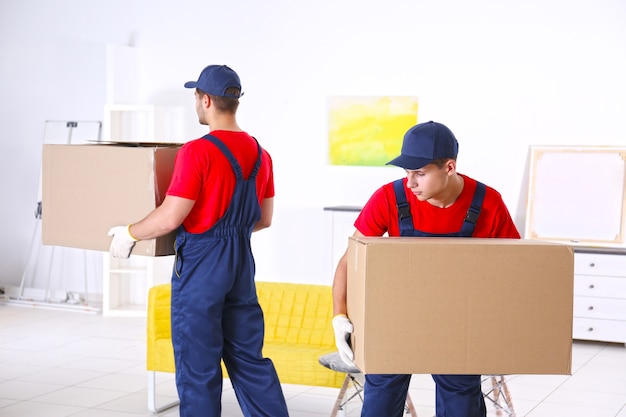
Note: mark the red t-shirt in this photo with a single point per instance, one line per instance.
(203, 173)
(380, 214)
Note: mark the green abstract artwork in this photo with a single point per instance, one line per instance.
(368, 130)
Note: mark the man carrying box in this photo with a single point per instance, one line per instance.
(221, 191)
(434, 200)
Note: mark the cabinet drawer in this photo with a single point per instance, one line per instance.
(601, 330)
(600, 264)
(600, 286)
(600, 308)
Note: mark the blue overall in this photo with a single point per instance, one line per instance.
(456, 395)
(216, 313)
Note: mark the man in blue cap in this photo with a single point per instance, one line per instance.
(434, 200)
(221, 191)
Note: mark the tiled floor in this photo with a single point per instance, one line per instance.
(61, 363)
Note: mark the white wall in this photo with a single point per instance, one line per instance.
(502, 75)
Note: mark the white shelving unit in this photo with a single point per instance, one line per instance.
(141, 123)
(126, 282)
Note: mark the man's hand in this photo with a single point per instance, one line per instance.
(343, 327)
(122, 243)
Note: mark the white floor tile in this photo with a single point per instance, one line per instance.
(117, 382)
(12, 370)
(100, 364)
(60, 376)
(58, 364)
(597, 399)
(6, 402)
(94, 412)
(131, 403)
(557, 410)
(34, 409)
(24, 390)
(80, 397)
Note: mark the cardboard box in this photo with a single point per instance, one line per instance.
(87, 189)
(461, 306)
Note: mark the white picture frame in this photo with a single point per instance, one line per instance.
(576, 195)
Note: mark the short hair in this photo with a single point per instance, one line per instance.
(224, 104)
(441, 162)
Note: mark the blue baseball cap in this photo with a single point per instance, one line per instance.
(215, 80)
(425, 143)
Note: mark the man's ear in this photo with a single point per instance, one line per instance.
(450, 166)
(206, 101)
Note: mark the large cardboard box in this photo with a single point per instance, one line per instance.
(461, 306)
(87, 189)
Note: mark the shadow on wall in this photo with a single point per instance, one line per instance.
(522, 201)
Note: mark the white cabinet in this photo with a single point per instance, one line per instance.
(600, 296)
(126, 282)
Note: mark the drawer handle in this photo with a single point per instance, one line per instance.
(590, 329)
(590, 308)
(591, 286)
(592, 264)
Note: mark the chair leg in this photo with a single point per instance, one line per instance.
(507, 398)
(410, 409)
(496, 395)
(501, 396)
(152, 395)
(339, 400)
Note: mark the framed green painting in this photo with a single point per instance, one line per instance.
(368, 130)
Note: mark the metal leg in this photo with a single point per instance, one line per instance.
(499, 396)
(33, 255)
(339, 403)
(409, 408)
(152, 395)
(507, 398)
(50, 298)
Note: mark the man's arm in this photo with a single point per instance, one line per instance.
(163, 219)
(267, 212)
(341, 323)
(340, 282)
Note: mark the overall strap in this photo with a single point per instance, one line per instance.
(406, 222)
(231, 158)
(404, 211)
(227, 153)
(474, 211)
(258, 160)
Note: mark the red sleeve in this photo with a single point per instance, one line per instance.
(375, 218)
(269, 186)
(495, 218)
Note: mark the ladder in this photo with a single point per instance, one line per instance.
(55, 132)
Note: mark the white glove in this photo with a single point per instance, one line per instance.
(343, 327)
(122, 243)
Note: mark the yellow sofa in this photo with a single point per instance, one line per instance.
(298, 331)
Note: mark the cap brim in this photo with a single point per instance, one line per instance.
(191, 84)
(409, 162)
